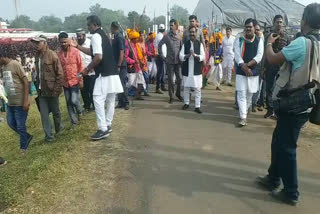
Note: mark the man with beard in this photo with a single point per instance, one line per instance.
(272, 70)
(248, 53)
(88, 80)
(72, 66)
(192, 54)
(107, 83)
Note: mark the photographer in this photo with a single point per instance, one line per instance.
(293, 87)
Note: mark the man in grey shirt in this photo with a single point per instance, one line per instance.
(173, 43)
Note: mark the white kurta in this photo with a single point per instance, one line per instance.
(192, 81)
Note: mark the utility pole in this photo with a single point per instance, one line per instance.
(17, 7)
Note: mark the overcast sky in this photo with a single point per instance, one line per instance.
(62, 8)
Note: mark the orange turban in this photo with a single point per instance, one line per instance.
(205, 32)
(134, 35)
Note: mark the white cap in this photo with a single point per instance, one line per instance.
(161, 27)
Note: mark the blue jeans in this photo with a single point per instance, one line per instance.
(16, 119)
(73, 103)
(146, 78)
(284, 152)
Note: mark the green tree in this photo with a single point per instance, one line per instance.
(180, 14)
(50, 24)
(159, 20)
(73, 22)
(23, 22)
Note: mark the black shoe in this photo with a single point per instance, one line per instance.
(119, 106)
(260, 108)
(230, 85)
(218, 89)
(99, 135)
(283, 197)
(254, 109)
(146, 95)
(266, 183)
(197, 110)
(50, 139)
(2, 162)
(164, 89)
(158, 91)
(180, 98)
(185, 107)
(269, 114)
(170, 100)
(139, 98)
(126, 107)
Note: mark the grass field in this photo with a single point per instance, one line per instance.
(39, 174)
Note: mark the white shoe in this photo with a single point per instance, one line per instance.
(243, 122)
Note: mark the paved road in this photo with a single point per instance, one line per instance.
(183, 162)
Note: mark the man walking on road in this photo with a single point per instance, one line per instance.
(159, 61)
(49, 84)
(228, 56)
(118, 46)
(192, 54)
(248, 53)
(108, 83)
(173, 42)
(270, 71)
(88, 80)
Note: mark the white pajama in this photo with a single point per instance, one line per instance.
(104, 117)
(197, 94)
(152, 67)
(215, 73)
(227, 66)
(246, 87)
(105, 90)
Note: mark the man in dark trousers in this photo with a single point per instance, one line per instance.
(272, 70)
(118, 46)
(49, 84)
(173, 42)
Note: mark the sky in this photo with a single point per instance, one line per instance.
(62, 8)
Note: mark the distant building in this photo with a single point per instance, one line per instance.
(4, 25)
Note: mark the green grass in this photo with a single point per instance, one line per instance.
(43, 164)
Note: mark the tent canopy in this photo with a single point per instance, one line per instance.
(233, 13)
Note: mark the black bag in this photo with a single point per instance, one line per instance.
(294, 103)
(315, 113)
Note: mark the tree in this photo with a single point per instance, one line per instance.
(133, 18)
(159, 20)
(73, 22)
(180, 14)
(50, 24)
(23, 22)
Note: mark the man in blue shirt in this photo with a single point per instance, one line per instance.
(285, 136)
(118, 46)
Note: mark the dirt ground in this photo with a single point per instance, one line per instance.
(162, 160)
(182, 162)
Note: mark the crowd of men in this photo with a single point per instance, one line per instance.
(100, 69)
